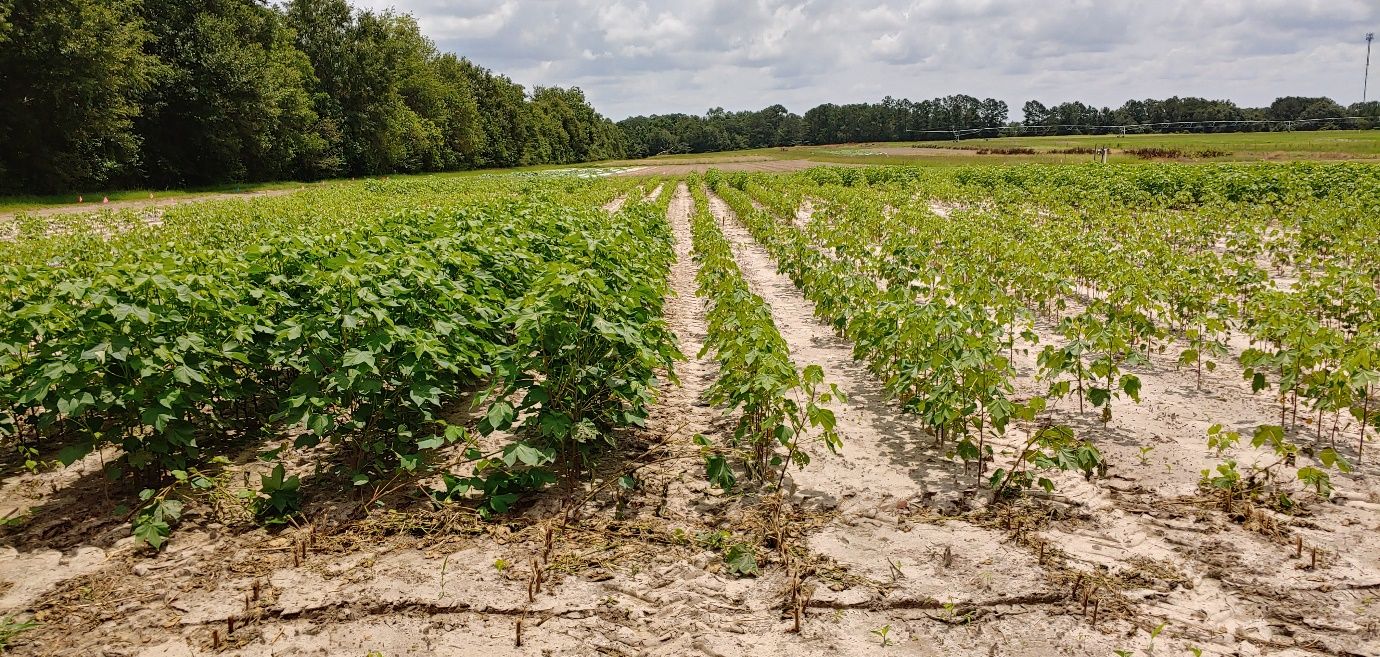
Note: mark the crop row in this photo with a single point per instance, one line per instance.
(360, 334)
(1121, 285)
(942, 355)
(778, 403)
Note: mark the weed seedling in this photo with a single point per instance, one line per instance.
(884, 632)
(10, 628)
(1154, 633)
(986, 578)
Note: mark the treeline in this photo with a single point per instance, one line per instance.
(193, 92)
(966, 117)
(1202, 115)
(890, 120)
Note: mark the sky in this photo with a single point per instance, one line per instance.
(655, 57)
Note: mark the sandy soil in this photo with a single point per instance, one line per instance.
(1234, 585)
(904, 151)
(918, 151)
(903, 509)
(616, 204)
(888, 542)
(762, 165)
(709, 158)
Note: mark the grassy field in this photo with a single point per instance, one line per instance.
(1359, 145)
(93, 198)
(1304, 145)
(127, 197)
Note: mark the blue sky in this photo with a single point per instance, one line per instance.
(641, 57)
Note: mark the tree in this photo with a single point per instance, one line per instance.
(1369, 111)
(71, 76)
(1035, 112)
(458, 113)
(5, 8)
(1291, 108)
(1324, 108)
(575, 131)
(992, 113)
(232, 103)
(375, 85)
(504, 118)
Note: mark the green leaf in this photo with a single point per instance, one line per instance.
(500, 415)
(1130, 384)
(719, 473)
(96, 353)
(783, 434)
(1188, 357)
(555, 424)
(454, 433)
(1330, 458)
(527, 454)
(170, 509)
(358, 357)
(997, 476)
(741, 560)
(1271, 434)
(1098, 396)
(431, 443)
(73, 453)
(501, 503)
(185, 375)
(1316, 478)
(153, 533)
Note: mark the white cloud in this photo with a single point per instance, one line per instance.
(659, 56)
(449, 26)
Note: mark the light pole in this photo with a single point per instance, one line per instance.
(1365, 86)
